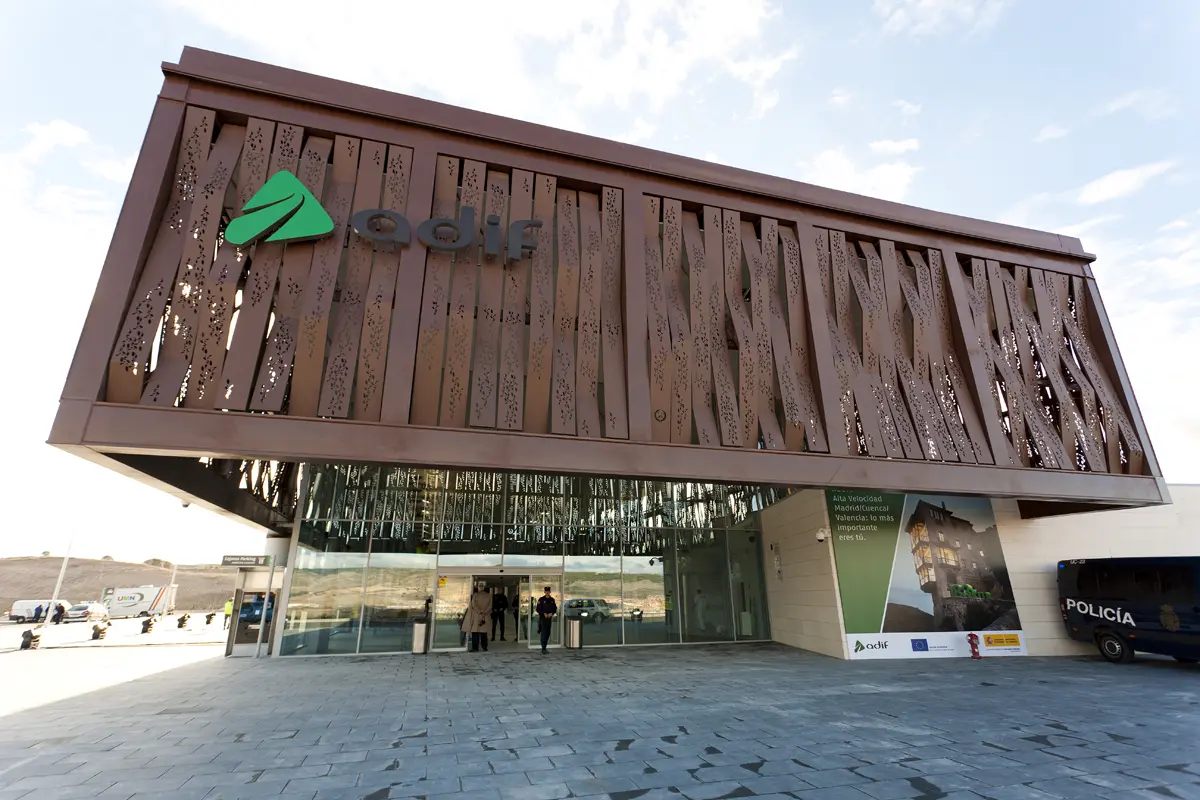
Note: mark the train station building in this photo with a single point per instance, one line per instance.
(425, 348)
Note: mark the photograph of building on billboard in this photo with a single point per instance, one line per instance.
(949, 572)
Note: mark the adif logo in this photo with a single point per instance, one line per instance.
(859, 646)
(285, 209)
(1101, 612)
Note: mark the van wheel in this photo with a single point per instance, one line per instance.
(1186, 660)
(20, 620)
(1114, 649)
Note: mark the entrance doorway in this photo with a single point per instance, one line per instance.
(521, 591)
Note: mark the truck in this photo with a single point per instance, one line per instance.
(139, 601)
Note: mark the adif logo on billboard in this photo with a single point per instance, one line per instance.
(284, 210)
(1101, 612)
(859, 646)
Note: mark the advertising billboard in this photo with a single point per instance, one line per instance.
(918, 573)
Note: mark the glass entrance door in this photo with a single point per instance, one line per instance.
(538, 584)
(449, 606)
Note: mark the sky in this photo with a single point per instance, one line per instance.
(1076, 117)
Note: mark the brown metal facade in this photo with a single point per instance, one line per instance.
(677, 319)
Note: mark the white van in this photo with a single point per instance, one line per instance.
(139, 601)
(22, 610)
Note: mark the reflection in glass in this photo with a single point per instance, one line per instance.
(324, 603)
(648, 586)
(532, 546)
(592, 573)
(746, 578)
(465, 544)
(398, 584)
(704, 586)
(453, 593)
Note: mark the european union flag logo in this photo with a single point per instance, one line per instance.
(920, 645)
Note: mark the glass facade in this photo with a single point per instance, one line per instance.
(642, 562)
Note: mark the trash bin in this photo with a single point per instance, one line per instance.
(420, 637)
(574, 633)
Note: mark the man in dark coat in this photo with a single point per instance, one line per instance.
(499, 612)
(546, 609)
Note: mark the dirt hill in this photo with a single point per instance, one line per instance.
(201, 587)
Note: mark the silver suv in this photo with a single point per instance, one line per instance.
(589, 609)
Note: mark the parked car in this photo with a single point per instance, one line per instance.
(589, 609)
(87, 612)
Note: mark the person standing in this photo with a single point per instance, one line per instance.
(479, 614)
(37, 613)
(546, 609)
(228, 612)
(701, 608)
(499, 612)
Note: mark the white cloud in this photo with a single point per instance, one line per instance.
(1176, 225)
(906, 108)
(1152, 294)
(1151, 104)
(1122, 183)
(557, 60)
(711, 156)
(1028, 213)
(757, 74)
(894, 147)
(117, 170)
(44, 138)
(1050, 132)
(833, 168)
(639, 132)
(1080, 228)
(926, 17)
(840, 97)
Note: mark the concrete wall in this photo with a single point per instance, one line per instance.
(1033, 548)
(805, 606)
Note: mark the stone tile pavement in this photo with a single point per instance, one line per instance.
(704, 723)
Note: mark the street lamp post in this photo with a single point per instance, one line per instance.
(170, 592)
(62, 573)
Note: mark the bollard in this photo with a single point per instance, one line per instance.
(182, 621)
(973, 640)
(30, 640)
(148, 624)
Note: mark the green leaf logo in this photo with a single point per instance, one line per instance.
(285, 209)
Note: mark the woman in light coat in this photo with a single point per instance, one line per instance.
(478, 619)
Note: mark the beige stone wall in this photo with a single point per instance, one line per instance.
(1033, 548)
(805, 606)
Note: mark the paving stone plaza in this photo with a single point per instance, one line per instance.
(699, 723)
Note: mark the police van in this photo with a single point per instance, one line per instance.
(1124, 605)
